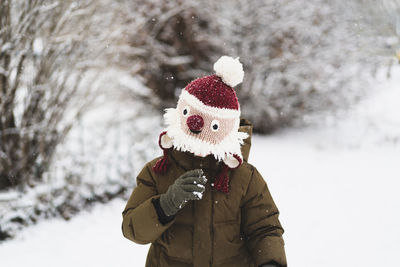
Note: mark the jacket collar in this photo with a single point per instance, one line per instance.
(189, 161)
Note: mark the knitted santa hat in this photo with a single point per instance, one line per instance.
(206, 120)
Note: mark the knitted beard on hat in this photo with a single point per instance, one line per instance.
(206, 121)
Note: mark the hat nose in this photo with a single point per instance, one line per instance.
(195, 123)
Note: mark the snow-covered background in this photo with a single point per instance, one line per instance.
(336, 185)
(83, 85)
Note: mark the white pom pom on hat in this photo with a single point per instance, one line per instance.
(230, 70)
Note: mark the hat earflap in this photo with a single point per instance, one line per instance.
(222, 181)
(165, 143)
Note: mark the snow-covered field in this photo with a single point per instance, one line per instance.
(337, 187)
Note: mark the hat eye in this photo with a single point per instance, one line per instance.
(215, 125)
(186, 111)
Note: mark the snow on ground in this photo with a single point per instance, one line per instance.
(337, 188)
(89, 239)
(340, 207)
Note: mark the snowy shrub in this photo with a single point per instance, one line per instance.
(42, 74)
(62, 133)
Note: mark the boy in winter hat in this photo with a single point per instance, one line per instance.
(201, 204)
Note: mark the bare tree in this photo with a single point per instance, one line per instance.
(42, 71)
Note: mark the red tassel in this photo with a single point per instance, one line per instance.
(162, 165)
(222, 181)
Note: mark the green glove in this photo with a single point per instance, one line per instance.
(189, 186)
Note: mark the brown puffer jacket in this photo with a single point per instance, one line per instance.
(240, 228)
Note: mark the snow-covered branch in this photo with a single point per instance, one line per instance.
(39, 82)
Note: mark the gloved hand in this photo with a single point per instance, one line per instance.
(189, 186)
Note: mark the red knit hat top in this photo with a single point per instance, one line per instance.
(212, 91)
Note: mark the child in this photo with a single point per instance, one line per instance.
(201, 204)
